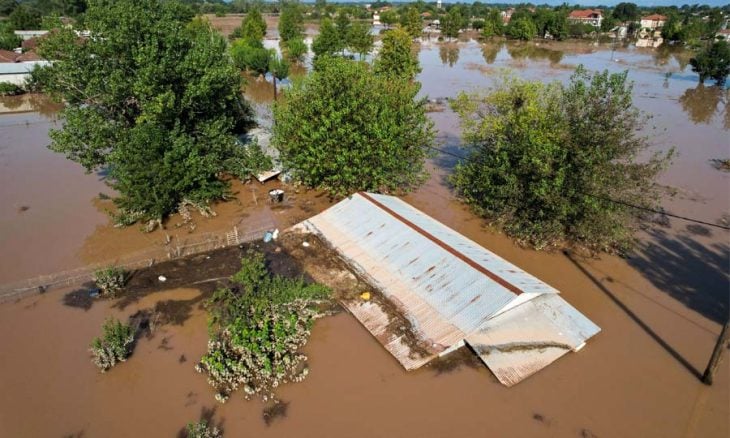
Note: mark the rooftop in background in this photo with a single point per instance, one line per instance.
(452, 290)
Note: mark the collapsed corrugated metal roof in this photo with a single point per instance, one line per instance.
(449, 288)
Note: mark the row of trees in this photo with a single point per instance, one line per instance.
(156, 101)
(342, 35)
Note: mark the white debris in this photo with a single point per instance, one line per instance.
(162, 278)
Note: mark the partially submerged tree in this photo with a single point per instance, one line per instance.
(360, 40)
(328, 42)
(279, 69)
(290, 21)
(110, 280)
(150, 96)
(251, 56)
(411, 21)
(296, 49)
(397, 57)
(253, 26)
(344, 129)
(549, 160)
(713, 62)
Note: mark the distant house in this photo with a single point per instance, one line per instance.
(653, 21)
(507, 15)
(15, 67)
(594, 17)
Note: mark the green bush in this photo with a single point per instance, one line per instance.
(296, 49)
(8, 89)
(250, 55)
(202, 430)
(257, 329)
(110, 280)
(114, 346)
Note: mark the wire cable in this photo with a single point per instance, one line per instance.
(626, 204)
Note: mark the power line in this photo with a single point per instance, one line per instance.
(626, 204)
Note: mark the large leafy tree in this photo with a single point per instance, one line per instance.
(625, 12)
(521, 28)
(153, 98)
(713, 62)
(452, 22)
(550, 160)
(493, 25)
(397, 57)
(346, 129)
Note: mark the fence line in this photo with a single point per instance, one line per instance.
(141, 259)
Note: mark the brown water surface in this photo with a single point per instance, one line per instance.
(660, 309)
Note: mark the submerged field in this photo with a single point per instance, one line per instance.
(660, 309)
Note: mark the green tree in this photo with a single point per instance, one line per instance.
(396, 57)
(547, 160)
(522, 28)
(360, 40)
(713, 62)
(153, 98)
(343, 24)
(344, 129)
(328, 42)
(625, 12)
(279, 69)
(389, 18)
(253, 26)
(452, 23)
(7, 7)
(25, 17)
(493, 25)
(290, 22)
(8, 39)
(411, 21)
(251, 56)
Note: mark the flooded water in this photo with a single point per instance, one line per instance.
(660, 309)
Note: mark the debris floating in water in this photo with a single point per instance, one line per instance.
(162, 278)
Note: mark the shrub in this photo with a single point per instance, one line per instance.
(257, 329)
(110, 280)
(250, 55)
(296, 49)
(114, 346)
(8, 89)
(202, 430)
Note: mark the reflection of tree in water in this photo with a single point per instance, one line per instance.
(665, 52)
(449, 54)
(534, 53)
(700, 103)
(490, 52)
(693, 273)
(44, 105)
(12, 102)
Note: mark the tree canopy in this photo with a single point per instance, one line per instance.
(290, 22)
(713, 62)
(346, 129)
(153, 98)
(548, 159)
(397, 57)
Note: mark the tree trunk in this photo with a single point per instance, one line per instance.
(716, 355)
(274, 87)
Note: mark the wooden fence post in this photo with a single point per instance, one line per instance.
(716, 355)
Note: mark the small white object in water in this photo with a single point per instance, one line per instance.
(162, 278)
(305, 244)
(275, 234)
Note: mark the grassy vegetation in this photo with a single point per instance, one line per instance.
(257, 328)
(201, 429)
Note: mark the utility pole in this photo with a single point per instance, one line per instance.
(716, 355)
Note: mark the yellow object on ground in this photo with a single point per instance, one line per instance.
(365, 296)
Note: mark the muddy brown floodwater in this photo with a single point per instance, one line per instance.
(660, 309)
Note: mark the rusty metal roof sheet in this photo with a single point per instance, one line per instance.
(446, 285)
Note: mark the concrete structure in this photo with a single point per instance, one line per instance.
(450, 290)
(654, 21)
(28, 34)
(594, 17)
(18, 72)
